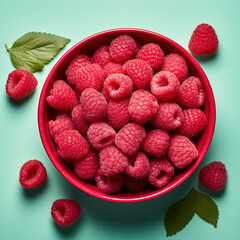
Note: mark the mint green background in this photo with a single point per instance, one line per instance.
(25, 214)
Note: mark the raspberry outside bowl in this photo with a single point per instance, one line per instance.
(88, 46)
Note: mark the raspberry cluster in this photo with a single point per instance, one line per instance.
(126, 115)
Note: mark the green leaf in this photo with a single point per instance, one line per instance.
(35, 49)
(206, 208)
(179, 214)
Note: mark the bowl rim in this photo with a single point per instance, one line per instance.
(114, 198)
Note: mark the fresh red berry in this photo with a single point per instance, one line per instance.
(194, 121)
(213, 176)
(62, 97)
(164, 86)
(181, 151)
(134, 184)
(122, 48)
(169, 116)
(65, 212)
(176, 64)
(93, 104)
(112, 68)
(130, 138)
(156, 143)
(152, 54)
(112, 161)
(191, 93)
(102, 56)
(20, 83)
(142, 106)
(32, 174)
(204, 40)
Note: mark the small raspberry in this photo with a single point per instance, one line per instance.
(20, 83)
(156, 143)
(79, 61)
(62, 97)
(71, 145)
(90, 76)
(118, 85)
(176, 64)
(191, 93)
(32, 174)
(152, 54)
(79, 122)
(134, 184)
(102, 56)
(110, 184)
(105, 94)
(62, 123)
(101, 135)
(86, 167)
(204, 40)
(194, 121)
(130, 138)
(164, 86)
(139, 71)
(161, 172)
(137, 49)
(181, 151)
(112, 161)
(112, 68)
(94, 105)
(117, 113)
(65, 212)
(142, 106)
(138, 166)
(169, 116)
(213, 176)
(122, 48)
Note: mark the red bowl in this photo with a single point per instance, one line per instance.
(88, 46)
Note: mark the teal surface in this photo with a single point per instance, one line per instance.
(25, 214)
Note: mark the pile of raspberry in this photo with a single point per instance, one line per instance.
(127, 116)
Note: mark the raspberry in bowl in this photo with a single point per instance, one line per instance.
(126, 115)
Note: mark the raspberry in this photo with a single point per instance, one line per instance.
(62, 97)
(176, 64)
(79, 61)
(156, 143)
(142, 106)
(90, 76)
(112, 68)
(134, 184)
(191, 93)
(181, 151)
(117, 113)
(118, 85)
(164, 86)
(138, 166)
(79, 122)
(105, 94)
(93, 104)
(86, 167)
(65, 212)
(194, 121)
(152, 54)
(32, 174)
(112, 161)
(169, 116)
(139, 71)
(102, 56)
(62, 123)
(213, 176)
(122, 48)
(110, 184)
(130, 138)
(137, 49)
(101, 135)
(204, 40)
(20, 83)
(161, 172)
(71, 145)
